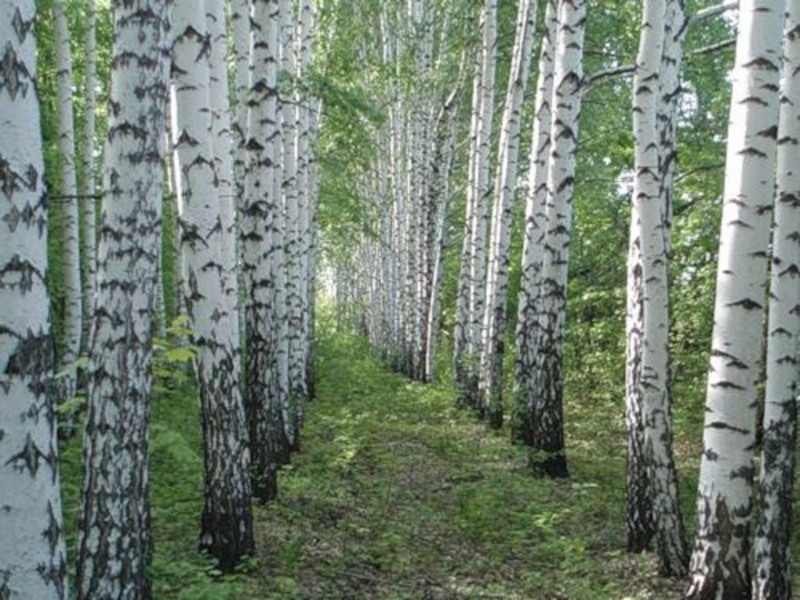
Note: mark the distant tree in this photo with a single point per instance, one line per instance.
(720, 565)
(114, 543)
(88, 180)
(471, 293)
(32, 556)
(73, 305)
(293, 242)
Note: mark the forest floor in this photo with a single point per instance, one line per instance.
(398, 495)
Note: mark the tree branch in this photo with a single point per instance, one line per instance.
(713, 11)
(600, 76)
(714, 47)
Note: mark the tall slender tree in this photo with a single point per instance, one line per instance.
(32, 556)
(73, 302)
(773, 573)
(491, 358)
(114, 545)
(292, 198)
(207, 256)
(472, 280)
(720, 566)
(547, 450)
(649, 388)
(265, 341)
(88, 180)
(532, 248)
(222, 136)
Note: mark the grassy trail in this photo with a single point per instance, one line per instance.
(397, 495)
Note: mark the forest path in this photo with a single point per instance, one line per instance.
(396, 494)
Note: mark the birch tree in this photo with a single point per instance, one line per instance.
(773, 573)
(114, 544)
(222, 137)
(491, 358)
(207, 256)
(32, 556)
(292, 232)
(649, 388)
(532, 248)
(306, 200)
(547, 450)
(88, 188)
(265, 340)
(472, 280)
(73, 302)
(720, 564)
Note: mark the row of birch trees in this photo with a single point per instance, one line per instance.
(406, 190)
(238, 144)
(744, 500)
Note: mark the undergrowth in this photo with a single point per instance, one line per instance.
(398, 495)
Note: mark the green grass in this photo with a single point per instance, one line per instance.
(397, 495)
(179, 570)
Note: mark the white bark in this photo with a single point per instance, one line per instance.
(548, 384)
(262, 246)
(207, 256)
(222, 135)
(482, 201)
(73, 301)
(532, 243)
(648, 231)
(292, 235)
(306, 200)
(462, 316)
(32, 555)
(440, 196)
(719, 566)
(241, 15)
(88, 187)
(491, 359)
(114, 542)
(773, 572)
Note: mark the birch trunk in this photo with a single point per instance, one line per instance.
(222, 137)
(652, 319)
(262, 266)
(73, 301)
(304, 189)
(32, 555)
(720, 564)
(88, 188)
(226, 524)
(292, 239)
(440, 193)
(240, 30)
(547, 451)
(491, 360)
(773, 572)
(532, 244)
(114, 544)
(461, 327)
(482, 202)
